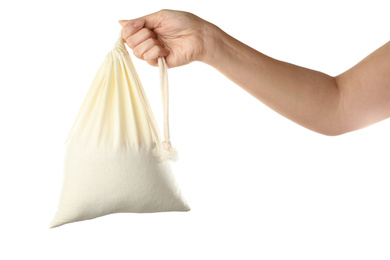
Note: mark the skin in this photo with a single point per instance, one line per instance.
(328, 105)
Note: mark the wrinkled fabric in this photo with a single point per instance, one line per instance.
(113, 152)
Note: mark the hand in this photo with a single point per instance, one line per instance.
(178, 36)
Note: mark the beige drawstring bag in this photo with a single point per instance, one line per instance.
(115, 160)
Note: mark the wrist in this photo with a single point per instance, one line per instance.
(212, 43)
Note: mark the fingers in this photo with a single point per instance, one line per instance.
(150, 50)
(139, 36)
(130, 28)
(145, 46)
(150, 21)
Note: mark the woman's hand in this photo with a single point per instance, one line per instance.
(181, 37)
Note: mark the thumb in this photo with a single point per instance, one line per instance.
(123, 22)
(150, 21)
(134, 23)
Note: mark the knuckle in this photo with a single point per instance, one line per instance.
(151, 33)
(152, 62)
(156, 42)
(145, 31)
(137, 53)
(126, 32)
(153, 53)
(159, 48)
(150, 41)
(148, 55)
(156, 48)
(130, 42)
(144, 35)
(153, 42)
(129, 30)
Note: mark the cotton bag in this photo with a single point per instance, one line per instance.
(114, 159)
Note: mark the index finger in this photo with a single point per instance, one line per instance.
(129, 28)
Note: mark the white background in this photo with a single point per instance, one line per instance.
(260, 186)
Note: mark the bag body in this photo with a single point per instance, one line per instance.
(115, 160)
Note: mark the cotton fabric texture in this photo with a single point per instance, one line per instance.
(115, 160)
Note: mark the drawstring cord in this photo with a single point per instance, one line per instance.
(168, 153)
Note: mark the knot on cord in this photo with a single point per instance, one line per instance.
(168, 153)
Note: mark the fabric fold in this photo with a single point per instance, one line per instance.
(113, 152)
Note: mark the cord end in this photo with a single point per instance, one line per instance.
(169, 152)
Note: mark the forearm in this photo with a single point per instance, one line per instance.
(307, 97)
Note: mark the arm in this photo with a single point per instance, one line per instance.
(328, 105)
